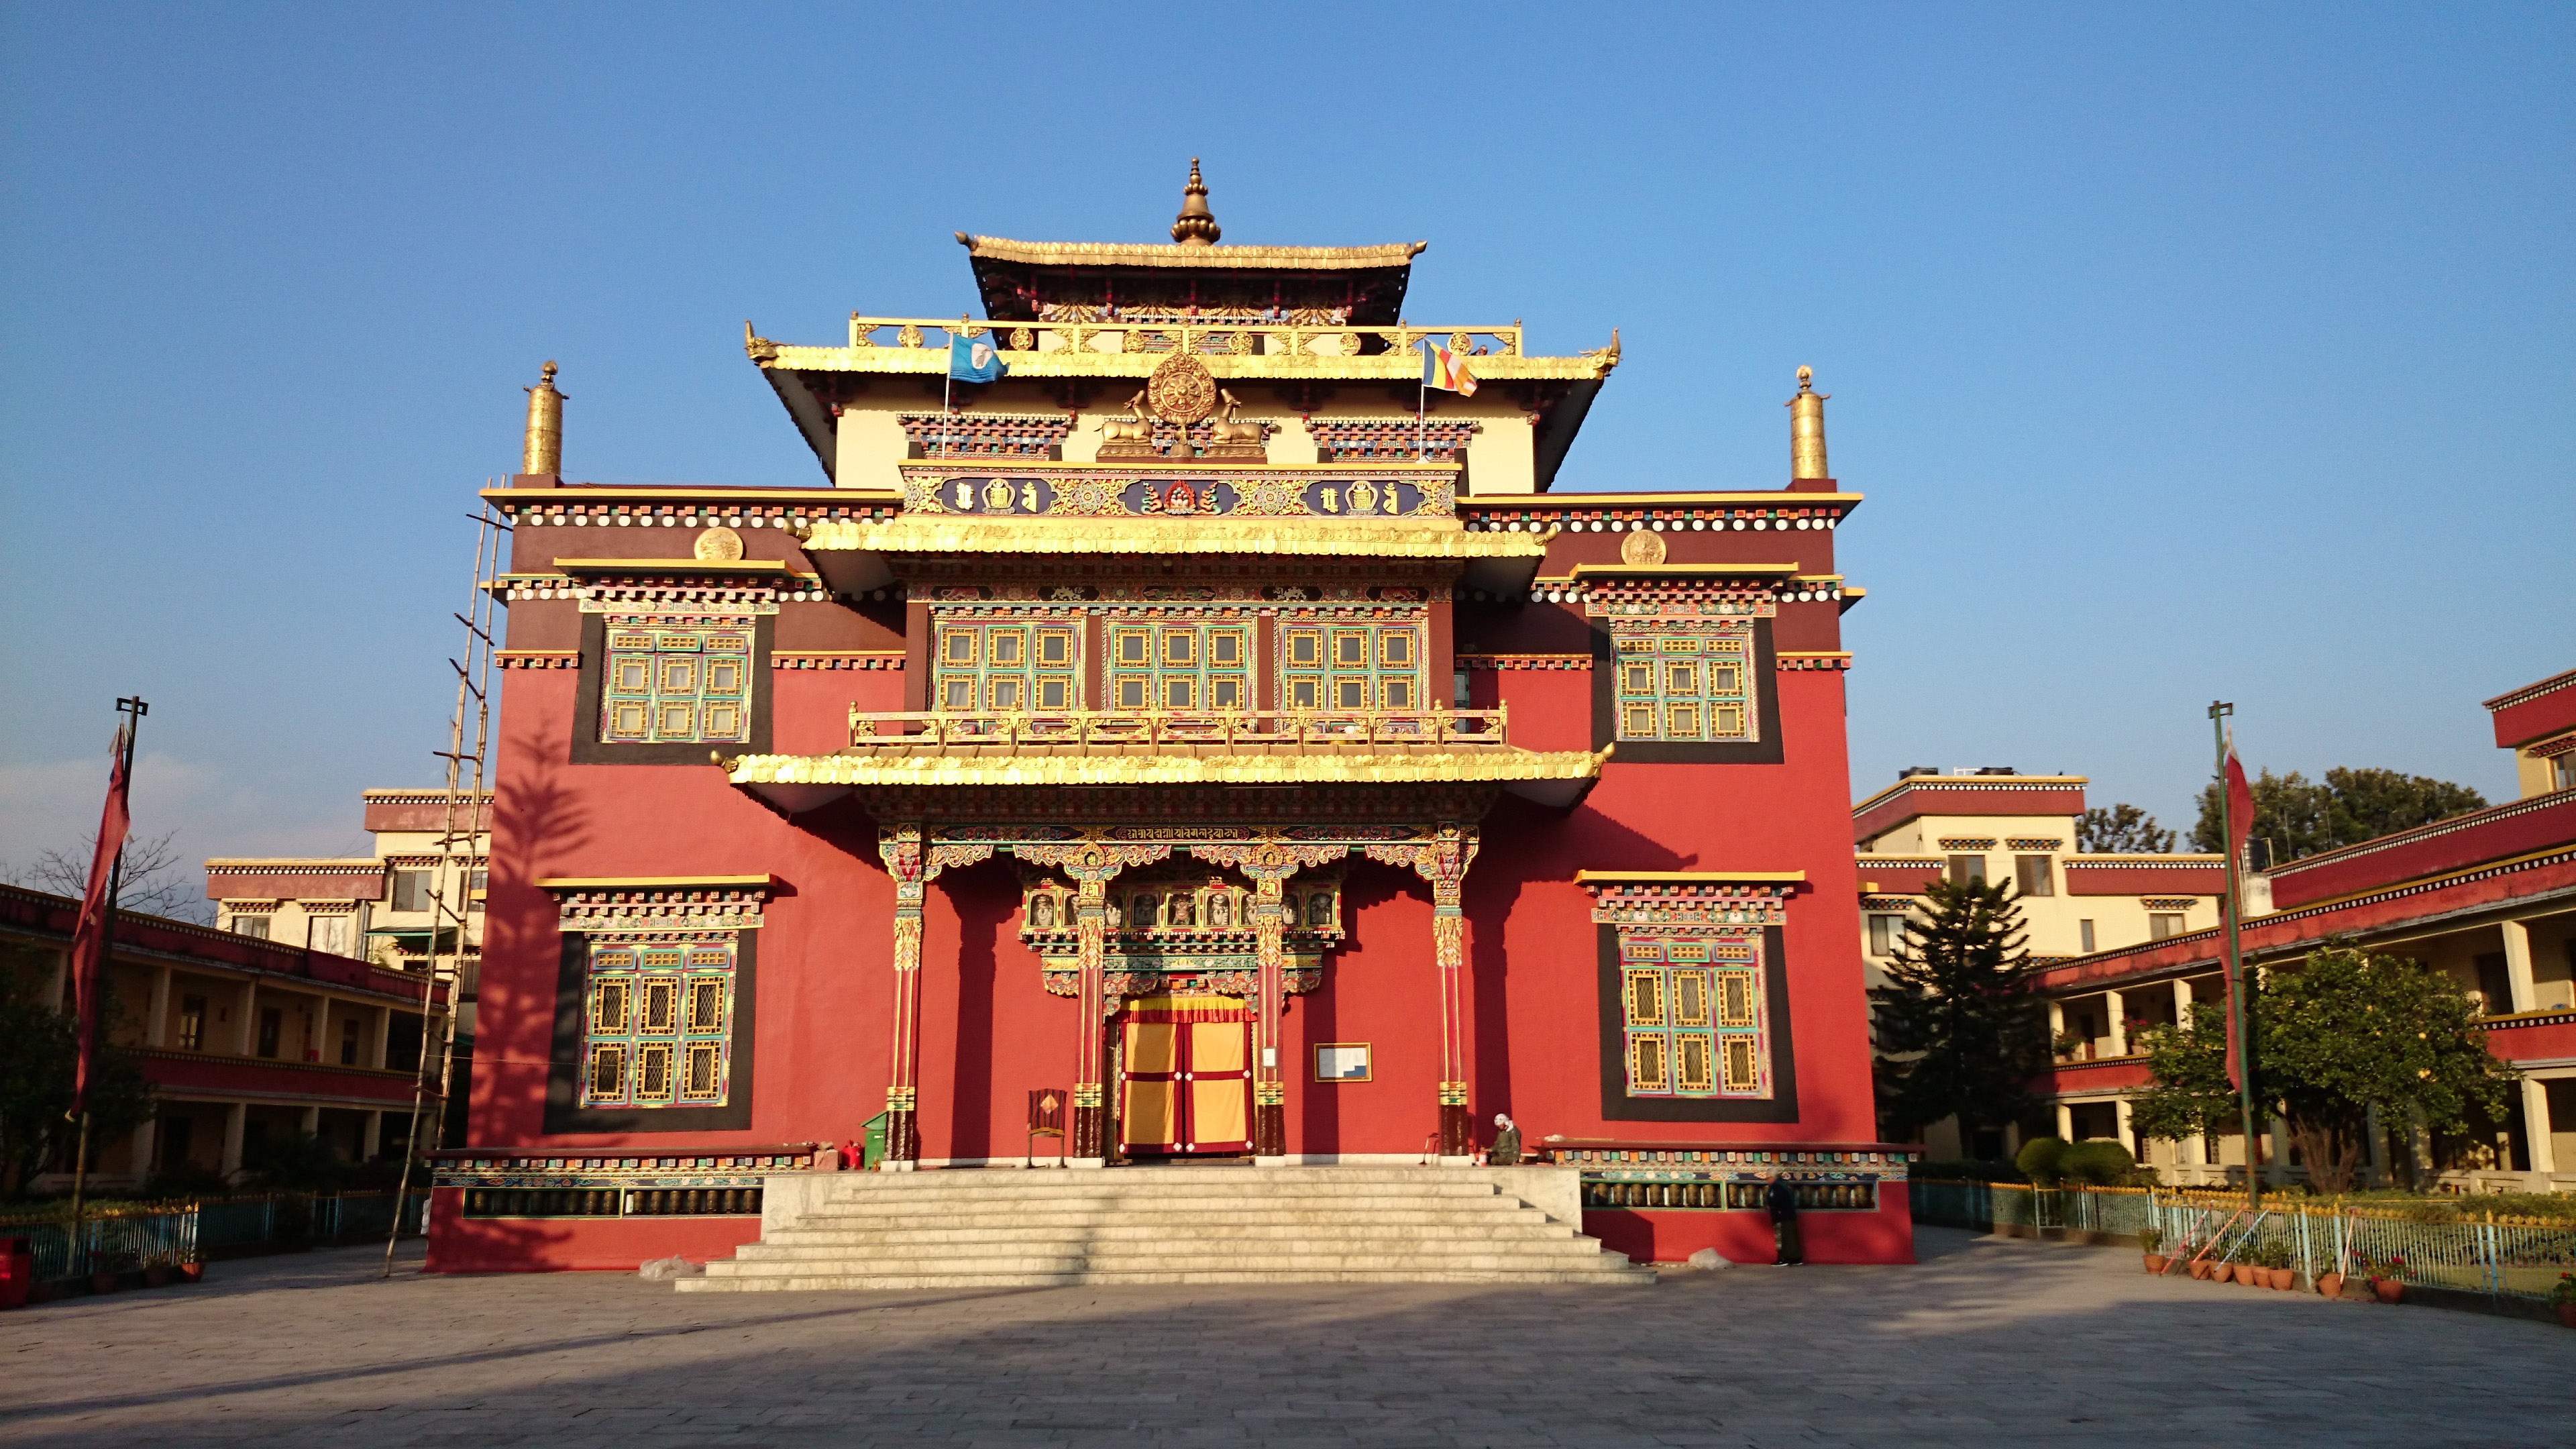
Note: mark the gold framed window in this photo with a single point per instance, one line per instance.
(660, 686)
(658, 1029)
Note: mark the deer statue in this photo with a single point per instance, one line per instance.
(1135, 428)
(1225, 430)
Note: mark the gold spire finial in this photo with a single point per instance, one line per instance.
(1807, 429)
(1196, 226)
(543, 455)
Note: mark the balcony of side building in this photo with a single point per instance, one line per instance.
(237, 1037)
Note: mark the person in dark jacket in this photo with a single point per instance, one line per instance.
(1782, 1200)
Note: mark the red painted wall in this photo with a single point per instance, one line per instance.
(459, 1244)
(2513, 828)
(1665, 1236)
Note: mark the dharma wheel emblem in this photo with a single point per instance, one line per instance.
(719, 545)
(1181, 390)
(1642, 547)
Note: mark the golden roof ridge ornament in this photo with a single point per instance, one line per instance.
(1196, 225)
(1807, 429)
(542, 454)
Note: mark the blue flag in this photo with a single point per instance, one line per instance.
(974, 359)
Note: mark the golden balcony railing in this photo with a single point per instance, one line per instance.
(1211, 337)
(1169, 731)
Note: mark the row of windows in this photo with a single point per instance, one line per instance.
(1177, 666)
(658, 1029)
(1887, 931)
(663, 686)
(1693, 1018)
(1683, 687)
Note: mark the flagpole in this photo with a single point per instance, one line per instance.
(137, 709)
(1421, 413)
(2219, 713)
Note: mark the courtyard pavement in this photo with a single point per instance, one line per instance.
(1987, 1342)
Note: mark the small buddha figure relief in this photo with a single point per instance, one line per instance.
(1143, 913)
(1319, 909)
(1184, 910)
(1221, 912)
(1042, 912)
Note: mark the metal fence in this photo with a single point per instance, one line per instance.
(125, 1239)
(2511, 1259)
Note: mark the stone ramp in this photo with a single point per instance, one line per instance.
(1048, 1228)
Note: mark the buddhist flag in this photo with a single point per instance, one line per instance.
(2240, 810)
(89, 938)
(1446, 370)
(974, 359)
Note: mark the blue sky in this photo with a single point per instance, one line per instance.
(2183, 352)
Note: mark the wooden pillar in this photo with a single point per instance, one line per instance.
(2113, 1006)
(2520, 993)
(1270, 952)
(1091, 1009)
(900, 847)
(1443, 861)
(156, 1015)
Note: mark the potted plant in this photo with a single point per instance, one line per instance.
(2150, 1242)
(2199, 1267)
(194, 1270)
(2277, 1269)
(2330, 1284)
(2385, 1283)
(2562, 1298)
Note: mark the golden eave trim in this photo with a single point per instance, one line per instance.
(1284, 367)
(654, 882)
(1211, 258)
(1486, 766)
(1781, 497)
(748, 567)
(1673, 570)
(1967, 782)
(1304, 537)
(584, 493)
(1687, 877)
(314, 865)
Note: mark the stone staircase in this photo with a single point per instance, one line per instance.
(990, 1229)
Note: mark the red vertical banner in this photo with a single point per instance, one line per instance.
(89, 939)
(2240, 812)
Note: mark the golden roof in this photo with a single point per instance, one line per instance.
(1157, 254)
(1292, 536)
(1505, 766)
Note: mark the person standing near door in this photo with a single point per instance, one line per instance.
(1782, 1200)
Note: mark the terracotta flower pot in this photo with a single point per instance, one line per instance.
(2389, 1290)
(2330, 1284)
(2198, 1267)
(2283, 1279)
(2155, 1264)
(2244, 1273)
(2566, 1313)
(156, 1275)
(191, 1272)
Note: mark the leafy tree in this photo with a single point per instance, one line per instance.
(2194, 1091)
(155, 881)
(36, 1057)
(2124, 829)
(2301, 817)
(1958, 1028)
(2347, 1034)
(2352, 1032)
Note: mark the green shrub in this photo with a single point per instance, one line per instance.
(2097, 1162)
(2042, 1160)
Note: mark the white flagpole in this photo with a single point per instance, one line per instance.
(1421, 414)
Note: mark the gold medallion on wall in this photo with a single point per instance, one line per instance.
(1642, 546)
(719, 545)
(1181, 390)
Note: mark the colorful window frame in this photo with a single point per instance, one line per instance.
(1179, 666)
(1692, 1018)
(989, 666)
(1683, 687)
(657, 1024)
(676, 686)
(1351, 666)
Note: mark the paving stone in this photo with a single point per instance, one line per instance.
(1988, 1341)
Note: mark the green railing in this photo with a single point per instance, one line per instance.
(2501, 1259)
(127, 1238)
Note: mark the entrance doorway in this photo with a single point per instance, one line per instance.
(1185, 1077)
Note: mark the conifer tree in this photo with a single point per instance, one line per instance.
(1958, 1029)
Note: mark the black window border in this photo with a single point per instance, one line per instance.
(1618, 1106)
(564, 1112)
(589, 749)
(1763, 749)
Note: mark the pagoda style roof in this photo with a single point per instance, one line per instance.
(796, 783)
